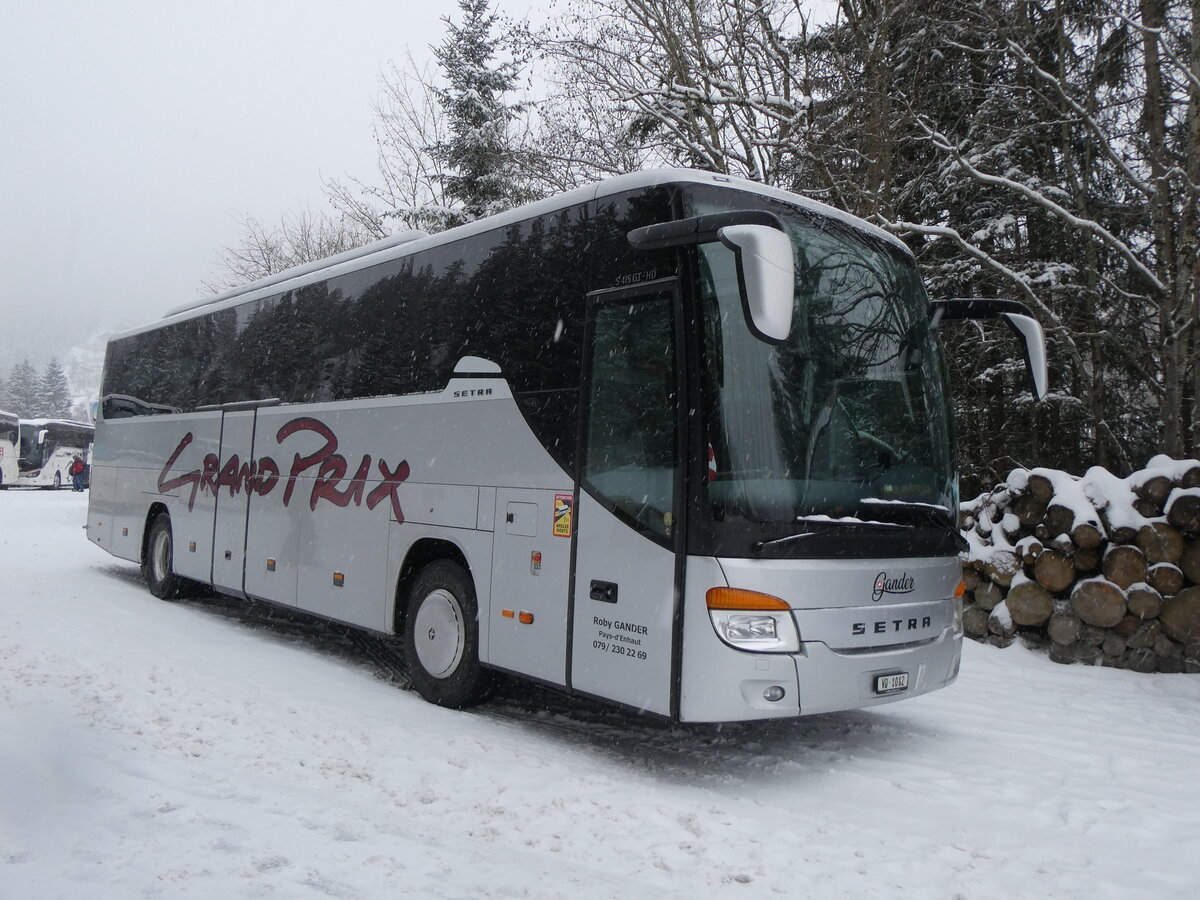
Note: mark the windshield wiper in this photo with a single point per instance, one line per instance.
(813, 525)
(933, 514)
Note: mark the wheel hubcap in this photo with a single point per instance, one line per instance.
(440, 633)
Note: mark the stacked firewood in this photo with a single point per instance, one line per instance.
(1097, 569)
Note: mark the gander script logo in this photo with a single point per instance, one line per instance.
(900, 584)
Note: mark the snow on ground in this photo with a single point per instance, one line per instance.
(152, 749)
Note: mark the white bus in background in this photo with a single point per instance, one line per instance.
(10, 430)
(678, 441)
(47, 448)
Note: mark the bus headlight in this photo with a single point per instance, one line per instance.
(748, 620)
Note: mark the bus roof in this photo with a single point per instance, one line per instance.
(42, 423)
(409, 242)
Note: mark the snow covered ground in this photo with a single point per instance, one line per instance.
(188, 750)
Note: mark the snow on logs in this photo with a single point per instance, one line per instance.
(1096, 569)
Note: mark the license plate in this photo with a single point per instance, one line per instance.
(890, 684)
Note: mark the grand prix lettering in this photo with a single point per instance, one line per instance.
(261, 476)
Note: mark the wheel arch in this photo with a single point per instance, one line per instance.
(423, 552)
(156, 509)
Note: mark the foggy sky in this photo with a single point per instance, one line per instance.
(136, 135)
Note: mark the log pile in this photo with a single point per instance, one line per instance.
(1096, 569)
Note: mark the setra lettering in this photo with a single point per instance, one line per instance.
(884, 626)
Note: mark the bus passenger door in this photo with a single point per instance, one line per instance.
(624, 594)
(232, 500)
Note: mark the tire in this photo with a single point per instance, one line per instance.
(158, 566)
(441, 638)
(57, 480)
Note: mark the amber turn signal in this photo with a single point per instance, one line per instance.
(736, 598)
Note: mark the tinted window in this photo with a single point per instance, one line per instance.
(631, 450)
(617, 264)
(514, 296)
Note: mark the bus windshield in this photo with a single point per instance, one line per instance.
(31, 453)
(848, 419)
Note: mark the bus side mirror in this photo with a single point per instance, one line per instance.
(765, 268)
(766, 278)
(42, 436)
(1018, 317)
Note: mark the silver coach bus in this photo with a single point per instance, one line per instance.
(677, 441)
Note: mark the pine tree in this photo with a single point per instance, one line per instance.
(54, 392)
(21, 396)
(479, 155)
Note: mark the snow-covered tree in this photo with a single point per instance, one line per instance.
(22, 391)
(54, 393)
(1084, 176)
(705, 83)
(478, 152)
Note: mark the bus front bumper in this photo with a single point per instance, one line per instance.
(830, 680)
(741, 686)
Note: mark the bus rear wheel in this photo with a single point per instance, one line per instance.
(441, 637)
(158, 564)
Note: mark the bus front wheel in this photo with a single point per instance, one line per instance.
(441, 637)
(158, 566)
